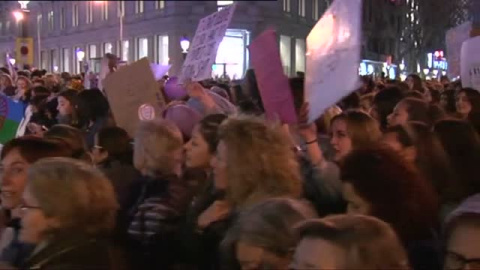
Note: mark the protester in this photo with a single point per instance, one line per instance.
(163, 200)
(23, 91)
(447, 102)
(16, 157)
(6, 85)
(72, 138)
(417, 110)
(348, 242)
(468, 102)
(384, 103)
(69, 110)
(378, 182)
(263, 236)
(69, 210)
(462, 236)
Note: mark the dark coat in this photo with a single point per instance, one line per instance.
(72, 252)
(16, 252)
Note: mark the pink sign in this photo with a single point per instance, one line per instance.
(272, 82)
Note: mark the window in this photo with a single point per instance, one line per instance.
(300, 55)
(138, 7)
(121, 8)
(50, 20)
(223, 3)
(75, 15)
(315, 9)
(160, 4)
(43, 60)
(286, 5)
(162, 53)
(301, 8)
(107, 47)
(232, 51)
(62, 18)
(89, 12)
(77, 62)
(105, 10)
(286, 53)
(1, 28)
(142, 48)
(66, 60)
(92, 51)
(7, 27)
(53, 61)
(125, 50)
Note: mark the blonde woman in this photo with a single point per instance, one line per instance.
(68, 209)
(261, 163)
(24, 85)
(164, 198)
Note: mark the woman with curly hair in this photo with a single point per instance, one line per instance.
(378, 182)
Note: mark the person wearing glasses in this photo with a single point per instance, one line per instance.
(68, 212)
(462, 235)
(16, 157)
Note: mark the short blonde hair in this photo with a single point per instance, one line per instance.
(78, 195)
(155, 141)
(261, 162)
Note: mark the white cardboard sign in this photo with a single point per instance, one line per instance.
(333, 56)
(454, 39)
(203, 49)
(470, 63)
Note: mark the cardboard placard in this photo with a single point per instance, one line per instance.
(454, 39)
(130, 90)
(470, 63)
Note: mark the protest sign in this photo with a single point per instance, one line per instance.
(454, 39)
(273, 84)
(203, 50)
(333, 56)
(132, 93)
(470, 63)
(159, 70)
(11, 114)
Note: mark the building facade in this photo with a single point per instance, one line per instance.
(153, 29)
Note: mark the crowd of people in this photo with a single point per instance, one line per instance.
(387, 178)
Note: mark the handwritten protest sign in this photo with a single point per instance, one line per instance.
(203, 50)
(454, 39)
(333, 56)
(470, 63)
(11, 114)
(273, 84)
(132, 93)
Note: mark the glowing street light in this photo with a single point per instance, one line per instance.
(12, 61)
(184, 44)
(18, 15)
(80, 55)
(426, 71)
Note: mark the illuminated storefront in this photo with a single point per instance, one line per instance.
(232, 55)
(375, 69)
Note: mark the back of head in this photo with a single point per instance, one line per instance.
(396, 191)
(94, 104)
(264, 163)
(268, 225)
(368, 242)
(209, 127)
(72, 138)
(362, 129)
(184, 117)
(154, 145)
(34, 148)
(116, 142)
(421, 111)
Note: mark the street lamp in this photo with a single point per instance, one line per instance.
(80, 55)
(12, 61)
(18, 16)
(426, 71)
(184, 44)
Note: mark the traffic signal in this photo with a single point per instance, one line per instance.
(24, 51)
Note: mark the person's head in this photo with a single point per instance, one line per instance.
(462, 145)
(366, 102)
(184, 117)
(112, 144)
(378, 182)
(202, 146)
(350, 102)
(24, 83)
(462, 236)
(67, 102)
(350, 130)
(16, 157)
(158, 148)
(263, 236)
(418, 145)
(94, 104)
(40, 91)
(444, 80)
(348, 242)
(414, 82)
(38, 82)
(447, 101)
(468, 101)
(5, 80)
(261, 163)
(72, 138)
(412, 109)
(383, 104)
(63, 197)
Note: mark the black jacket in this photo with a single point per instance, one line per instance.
(72, 252)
